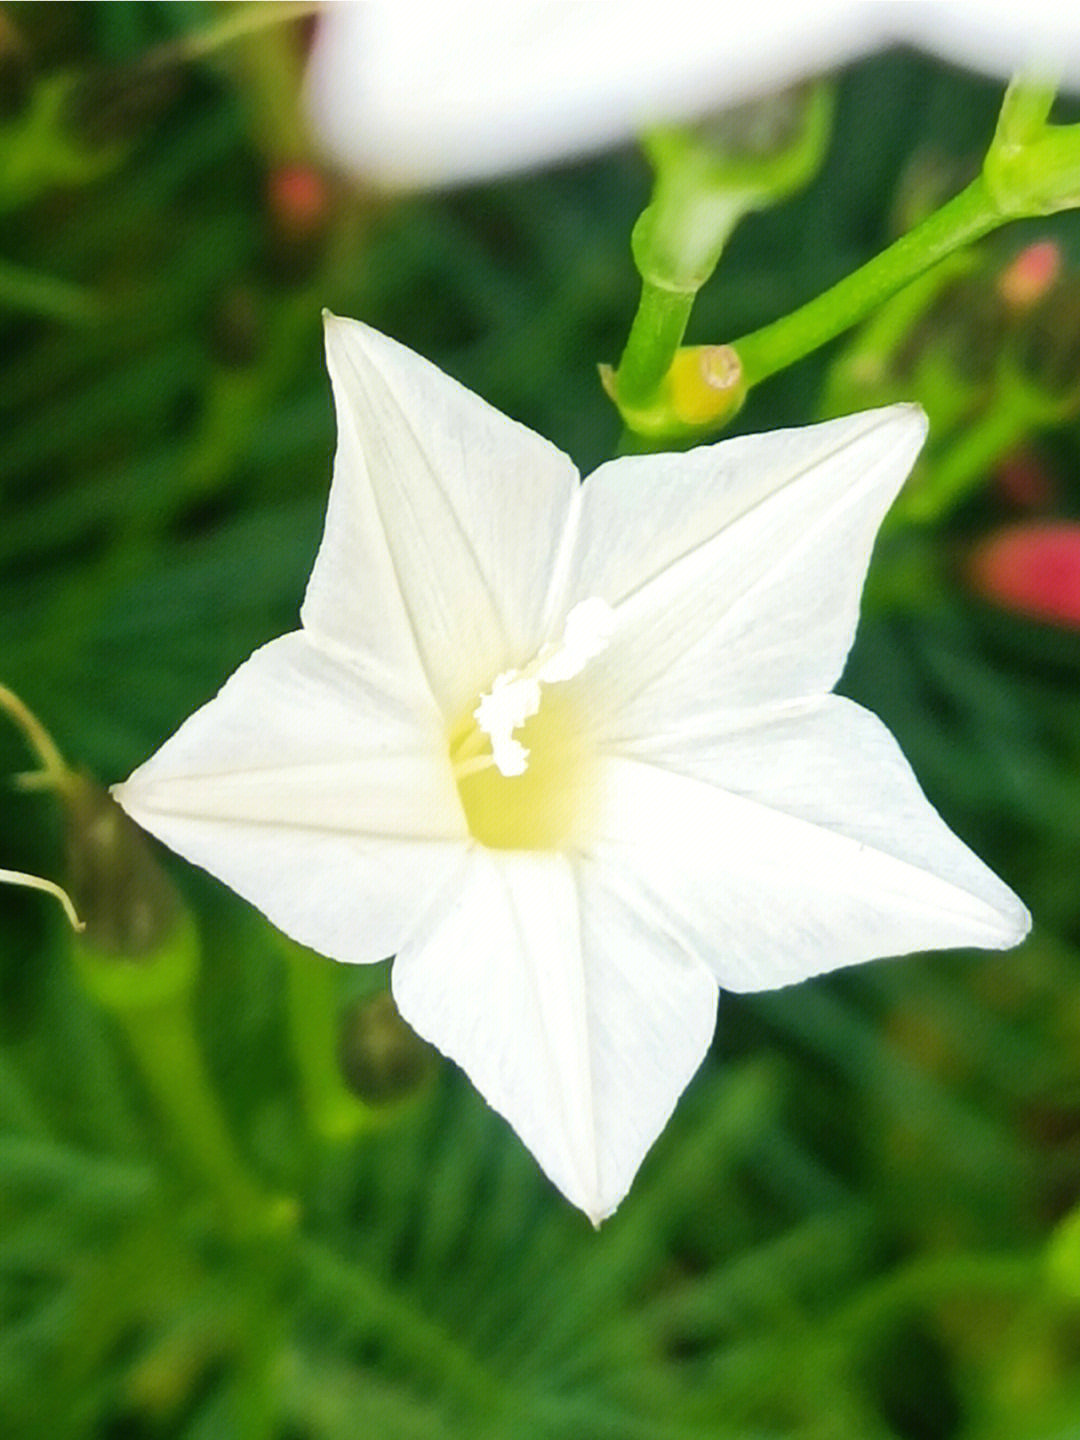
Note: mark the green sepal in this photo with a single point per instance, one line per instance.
(709, 176)
(1032, 167)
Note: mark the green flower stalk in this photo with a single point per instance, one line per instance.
(334, 1114)
(137, 955)
(1031, 168)
(707, 179)
(989, 351)
(138, 959)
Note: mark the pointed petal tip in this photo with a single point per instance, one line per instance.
(1003, 922)
(353, 347)
(593, 1203)
(1015, 924)
(1004, 919)
(335, 325)
(908, 418)
(339, 331)
(906, 421)
(897, 434)
(597, 1212)
(132, 797)
(121, 793)
(917, 418)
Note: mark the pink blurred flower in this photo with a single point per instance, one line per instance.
(298, 198)
(1030, 275)
(1033, 569)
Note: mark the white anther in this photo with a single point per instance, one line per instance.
(588, 631)
(513, 699)
(515, 696)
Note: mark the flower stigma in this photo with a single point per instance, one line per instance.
(520, 761)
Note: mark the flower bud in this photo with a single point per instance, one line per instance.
(1030, 275)
(709, 176)
(299, 208)
(1033, 570)
(705, 385)
(129, 905)
(704, 388)
(382, 1059)
(298, 199)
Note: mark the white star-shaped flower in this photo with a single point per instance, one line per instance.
(568, 750)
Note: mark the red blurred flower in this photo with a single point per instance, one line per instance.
(1033, 569)
(298, 198)
(1030, 275)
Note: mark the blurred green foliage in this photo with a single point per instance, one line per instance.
(843, 1233)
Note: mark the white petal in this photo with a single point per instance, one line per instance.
(453, 93)
(445, 520)
(997, 36)
(735, 571)
(578, 1018)
(410, 96)
(798, 846)
(327, 803)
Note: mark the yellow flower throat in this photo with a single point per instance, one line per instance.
(537, 810)
(524, 768)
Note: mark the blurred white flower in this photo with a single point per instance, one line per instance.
(567, 750)
(412, 95)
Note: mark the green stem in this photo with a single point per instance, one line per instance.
(1025, 109)
(36, 736)
(163, 1044)
(655, 336)
(150, 1000)
(313, 999)
(967, 217)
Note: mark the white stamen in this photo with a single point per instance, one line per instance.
(515, 695)
(513, 699)
(588, 631)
